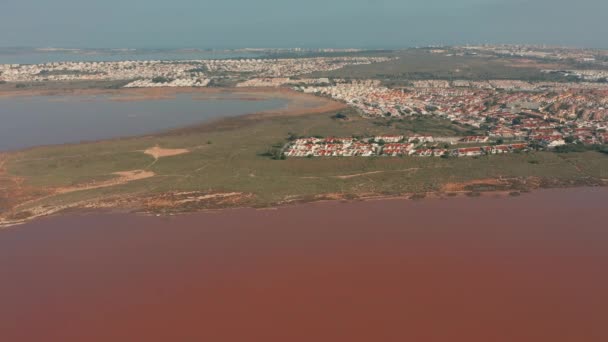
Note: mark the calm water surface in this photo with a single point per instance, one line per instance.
(531, 268)
(44, 120)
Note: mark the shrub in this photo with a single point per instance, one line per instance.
(161, 79)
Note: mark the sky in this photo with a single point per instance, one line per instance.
(304, 23)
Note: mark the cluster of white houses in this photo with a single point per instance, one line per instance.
(184, 73)
(389, 146)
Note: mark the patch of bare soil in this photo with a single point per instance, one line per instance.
(474, 185)
(194, 200)
(16, 213)
(358, 175)
(122, 178)
(371, 173)
(159, 152)
(530, 63)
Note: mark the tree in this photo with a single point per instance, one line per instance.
(535, 145)
(161, 79)
(291, 136)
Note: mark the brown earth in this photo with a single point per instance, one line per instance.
(158, 152)
(122, 177)
(14, 190)
(530, 63)
(371, 173)
(464, 186)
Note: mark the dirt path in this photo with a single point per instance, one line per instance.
(364, 174)
(358, 175)
(123, 178)
(157, 152)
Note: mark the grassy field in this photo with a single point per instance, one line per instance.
(415, 64)
(230, 158)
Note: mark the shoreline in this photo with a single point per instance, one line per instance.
(299, 104)
(148, 93)
(328, 198)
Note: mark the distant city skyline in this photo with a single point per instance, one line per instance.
(306, 24)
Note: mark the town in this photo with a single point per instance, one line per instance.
(398, 146)
(175, 73)
(527, 114)
(544, 114)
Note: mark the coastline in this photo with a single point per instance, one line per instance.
(28, 205)
(297, 104)
(328, 198)
(526, 256)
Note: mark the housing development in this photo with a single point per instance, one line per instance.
(393, 146)
(509, 114)
(175, 73)
(544, 115)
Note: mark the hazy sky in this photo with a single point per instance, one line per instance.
(303, 23)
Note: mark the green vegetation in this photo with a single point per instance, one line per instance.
(426, 125)
(239, 160)
(161, 79)
(569, 148)
(339, 116)
(201, 69)
(417, 64)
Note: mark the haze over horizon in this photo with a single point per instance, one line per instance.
(312, 23)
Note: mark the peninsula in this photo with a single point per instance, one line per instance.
(356, 124)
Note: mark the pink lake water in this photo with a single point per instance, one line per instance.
(529, 268)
